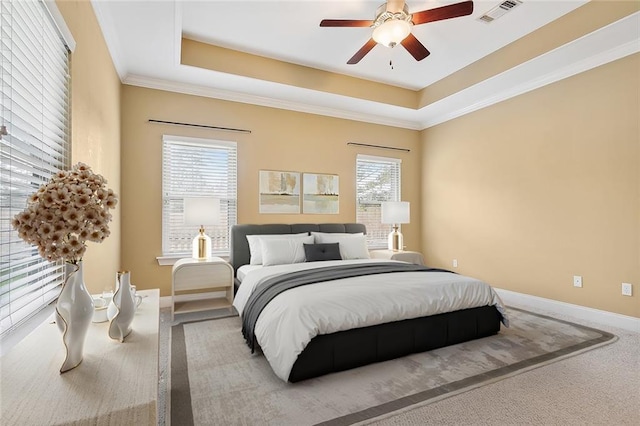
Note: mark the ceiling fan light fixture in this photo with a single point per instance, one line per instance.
(393, 24)
(391, 32)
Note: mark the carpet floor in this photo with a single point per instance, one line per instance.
(216, 380)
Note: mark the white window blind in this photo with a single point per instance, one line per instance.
(34, 86)
(194, 167)
(377, 180)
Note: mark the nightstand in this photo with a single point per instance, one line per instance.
(193, 282)
(405, 256)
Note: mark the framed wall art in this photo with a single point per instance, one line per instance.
(279, 192)
(321, 194)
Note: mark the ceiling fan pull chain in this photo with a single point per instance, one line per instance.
(391, 64)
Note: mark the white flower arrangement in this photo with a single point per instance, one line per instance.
(71, 209)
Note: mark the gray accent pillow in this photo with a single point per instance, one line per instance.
(320, 252)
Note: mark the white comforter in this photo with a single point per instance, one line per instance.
(289, 322)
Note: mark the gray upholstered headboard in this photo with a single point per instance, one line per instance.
(239, 251)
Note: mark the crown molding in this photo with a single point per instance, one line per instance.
(246, 98)
(560, 74)
(487, 92)
(612, 42)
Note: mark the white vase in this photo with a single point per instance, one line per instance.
(74, 311)
(122, 307)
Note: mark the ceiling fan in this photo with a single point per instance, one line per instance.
(392, 26)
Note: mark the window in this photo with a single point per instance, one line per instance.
(197, 168)
(377, 180)
(34, 144)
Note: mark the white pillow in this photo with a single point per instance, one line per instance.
(352, 246)
(276, 251)
(255, 247)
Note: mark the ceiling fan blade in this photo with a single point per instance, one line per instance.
(444, 12)
(413, 46)
(345, 23)
(363, 51)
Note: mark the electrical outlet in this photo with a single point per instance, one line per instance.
(627, 289)
(455, 263)
(577, 281)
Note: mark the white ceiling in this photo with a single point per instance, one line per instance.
(144, 40)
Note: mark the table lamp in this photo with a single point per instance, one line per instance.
(395, 213)
(201, 211)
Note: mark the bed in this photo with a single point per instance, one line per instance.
(296, 331)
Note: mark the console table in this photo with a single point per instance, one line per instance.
(116, 383)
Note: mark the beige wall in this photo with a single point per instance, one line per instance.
(525, 194)
(95, 128)
(544, 186)
(216, 58)
(279, 140)
(589, 17)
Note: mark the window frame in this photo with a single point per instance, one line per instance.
(169, 256)
(377, 235)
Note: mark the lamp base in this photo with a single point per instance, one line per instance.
(201, 246)
(395, 240)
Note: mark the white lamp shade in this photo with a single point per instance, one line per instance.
(395, 212)
(201, 211)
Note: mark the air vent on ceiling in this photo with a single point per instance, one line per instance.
(499, 10)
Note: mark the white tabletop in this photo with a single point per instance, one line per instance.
(116, 383)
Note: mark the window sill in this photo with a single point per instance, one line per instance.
(13, 337)
(171, 259)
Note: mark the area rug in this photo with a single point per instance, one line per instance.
(216, 380)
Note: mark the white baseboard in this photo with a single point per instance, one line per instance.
(579, 312)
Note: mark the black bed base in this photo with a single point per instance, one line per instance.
(354, 348)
